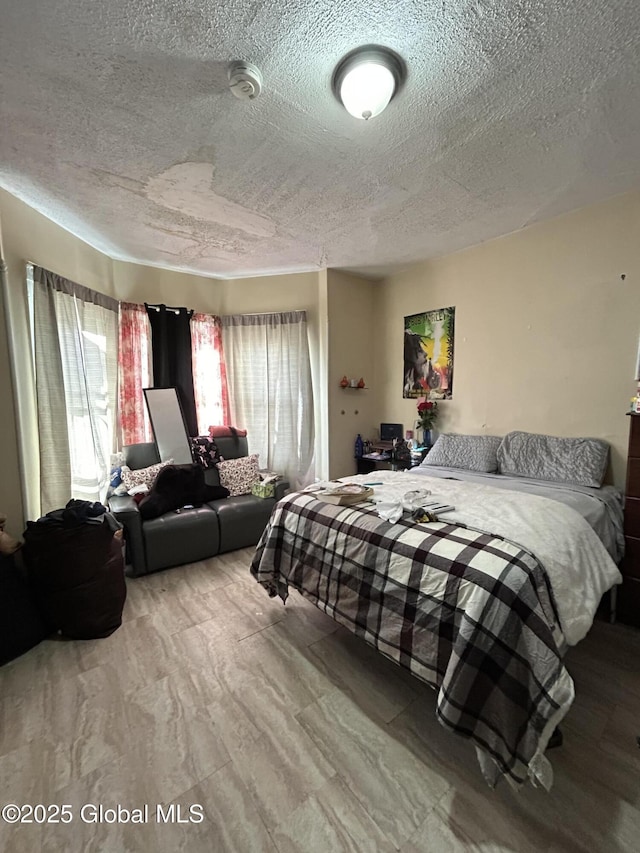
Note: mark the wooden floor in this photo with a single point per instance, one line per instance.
(292, 735)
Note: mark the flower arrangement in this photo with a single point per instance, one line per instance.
(427, 414)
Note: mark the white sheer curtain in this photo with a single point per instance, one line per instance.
(76, 371)
(270, 392)
(209, 372)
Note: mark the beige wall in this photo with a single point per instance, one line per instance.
(350, 346)
(138, 283)
(546, 329)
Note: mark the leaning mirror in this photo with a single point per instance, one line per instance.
(169, 428)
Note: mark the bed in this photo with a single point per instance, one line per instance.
(481, 604)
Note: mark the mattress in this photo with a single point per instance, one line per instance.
(602, 508)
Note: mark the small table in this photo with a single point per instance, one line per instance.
(367, 464)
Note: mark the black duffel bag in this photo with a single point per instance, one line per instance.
(75, 567)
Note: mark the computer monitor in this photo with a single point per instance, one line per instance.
(390, 431)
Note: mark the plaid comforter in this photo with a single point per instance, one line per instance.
(469, 613)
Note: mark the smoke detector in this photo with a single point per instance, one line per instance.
(245, 80)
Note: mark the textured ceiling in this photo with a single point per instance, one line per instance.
(116, 122)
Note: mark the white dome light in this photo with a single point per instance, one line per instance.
(366, 80)
(367, 89)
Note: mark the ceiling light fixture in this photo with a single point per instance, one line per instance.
(366, 79)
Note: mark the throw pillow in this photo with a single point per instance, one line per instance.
(239, 475)
(204, 451)
(132, 477)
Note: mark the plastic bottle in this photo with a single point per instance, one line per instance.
(359, 448)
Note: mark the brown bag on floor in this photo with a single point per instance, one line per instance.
(76, 572)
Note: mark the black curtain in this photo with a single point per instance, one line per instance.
(171, 344)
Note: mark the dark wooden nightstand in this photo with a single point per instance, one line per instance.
(628, 604)
(366, 466)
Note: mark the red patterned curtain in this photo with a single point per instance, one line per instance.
(134, 373)
(209, 372)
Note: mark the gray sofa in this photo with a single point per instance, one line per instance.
(194, 534)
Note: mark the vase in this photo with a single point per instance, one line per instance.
(426, 438)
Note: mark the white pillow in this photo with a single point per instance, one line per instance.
(132, 477)
(239, 475)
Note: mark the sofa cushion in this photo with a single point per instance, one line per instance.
(239, 475)
(232, 446)
(140, 455)
(242, 520)
(182, 536)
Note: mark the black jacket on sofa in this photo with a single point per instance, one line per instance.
(177, 486)
(187, 535)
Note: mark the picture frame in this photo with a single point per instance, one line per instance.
(428, 354)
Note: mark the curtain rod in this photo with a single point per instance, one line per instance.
(266, 313)
(166, 307)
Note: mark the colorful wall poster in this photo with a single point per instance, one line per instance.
(428, 354)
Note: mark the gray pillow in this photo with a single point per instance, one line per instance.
(582, 461)
(473, 452)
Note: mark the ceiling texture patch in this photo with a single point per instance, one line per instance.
(187, 188)
(117, 121)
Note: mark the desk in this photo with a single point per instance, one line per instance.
(365, 465)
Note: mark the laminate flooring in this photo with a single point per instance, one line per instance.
(285, 733)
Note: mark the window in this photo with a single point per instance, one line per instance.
(75, 345)
(209, 373)
(270, 390)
